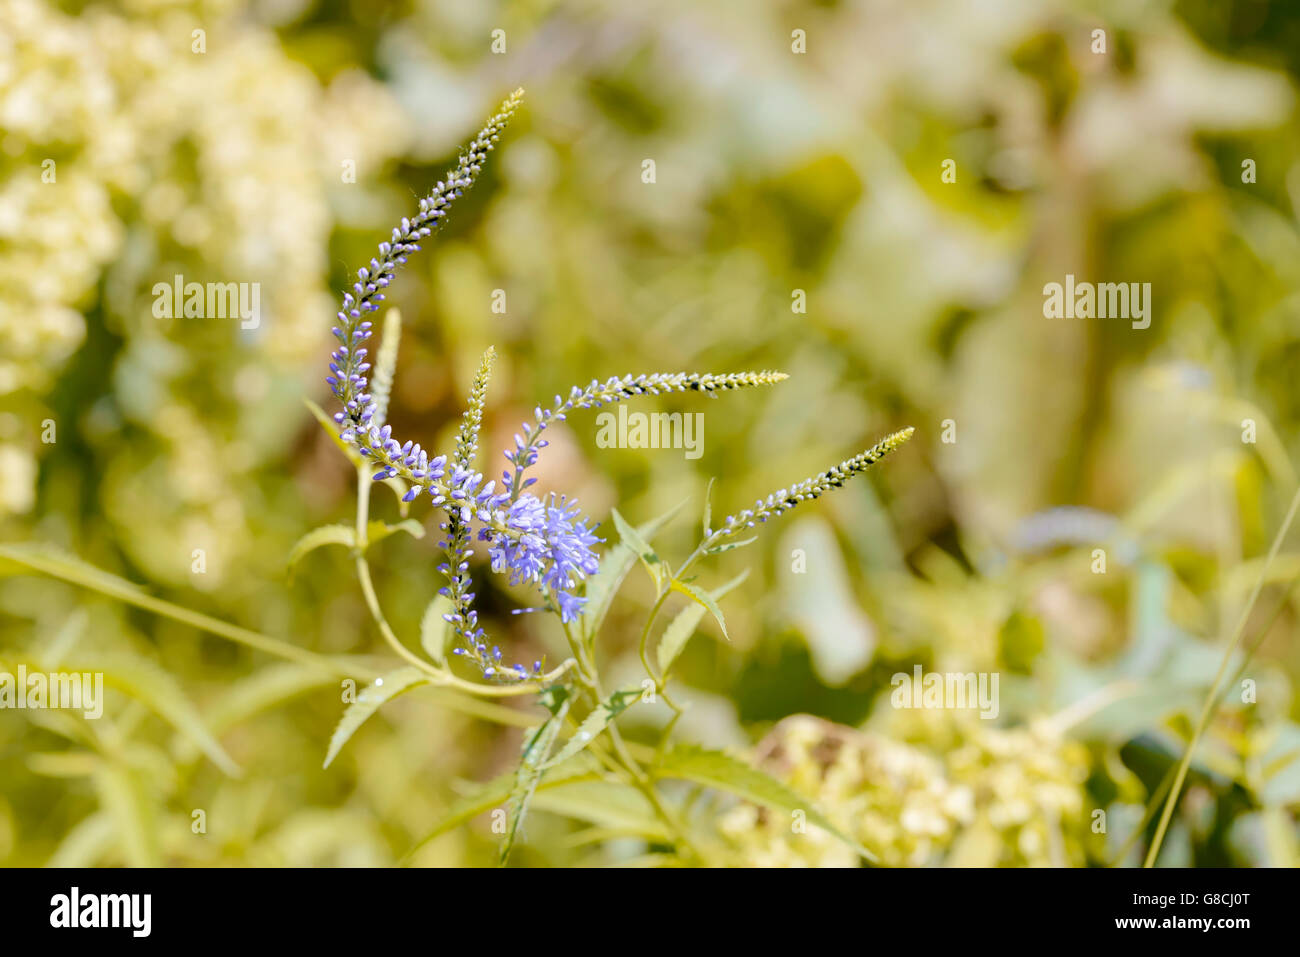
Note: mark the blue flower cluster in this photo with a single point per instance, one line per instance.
(544, 543)
(548, 544)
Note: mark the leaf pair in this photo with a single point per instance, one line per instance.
(601, 588)
(638, 544)
(376, 531)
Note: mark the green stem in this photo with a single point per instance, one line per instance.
(632, 768)
(1211, 699)
(439, 676)
(643, 645)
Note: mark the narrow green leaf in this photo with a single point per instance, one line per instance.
(377, 531)
(332, 430)
(397, 486)
(719, 770)
(632, 538)
(63, 764)
(48, 561)
(86, 843)
(553, 698)
(708, 508)
(381, 382)
(595, 723)
(159, 692)
(266, 688)
(696, 593)
(122, 795)
(64, 640)
(719, 549)
(609, 804)
(484, 709)
(318, 538)
(491, 795)
(682, 627)
(436, 631)
(537, 746)
(601, 588)
(368, 701)
(399, 489)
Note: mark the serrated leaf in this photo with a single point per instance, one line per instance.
(436, 631)
(368, 702)
(553, 698)
(717, 769)
(698, 594)
(537, 746)
(682, 627)
(319, 538)
(595, 723)
(649, 558)
(601, 588)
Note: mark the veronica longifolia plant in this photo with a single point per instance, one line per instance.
(545, 542)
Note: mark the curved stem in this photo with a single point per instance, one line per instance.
(642, 646)
(438, 675)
